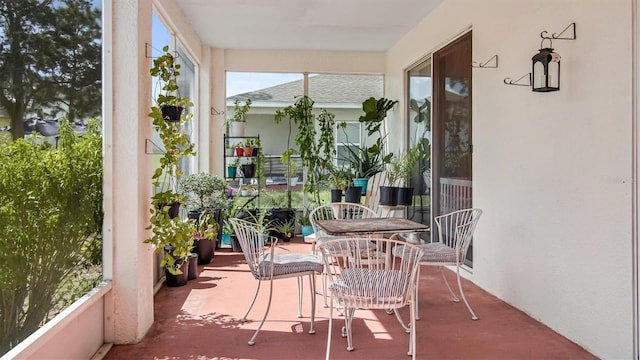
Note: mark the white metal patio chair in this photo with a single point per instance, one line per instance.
(271, 266)
(357, 283)
(332, 211)
(455, 231)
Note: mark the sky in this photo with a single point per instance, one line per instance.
(241, 82)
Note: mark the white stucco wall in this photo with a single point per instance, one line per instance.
(552, 171)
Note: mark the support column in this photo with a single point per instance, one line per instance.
(129, 307)
(218, 100)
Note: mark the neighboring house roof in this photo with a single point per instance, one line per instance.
(346, 89)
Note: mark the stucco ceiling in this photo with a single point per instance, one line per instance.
(350, 25)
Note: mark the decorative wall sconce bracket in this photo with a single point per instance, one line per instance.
(519, 81)
(491, 63)
(216, 112)
(558, 36)
(151, 148)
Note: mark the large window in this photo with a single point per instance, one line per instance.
(349, 136)
(187, 81)
(51, 198)
(340, 94)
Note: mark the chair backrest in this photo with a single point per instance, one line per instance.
(252, 242)
(456, 228)
(338, 211)
(372, 195)
(357, 282)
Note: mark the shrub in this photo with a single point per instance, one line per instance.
(51, 214)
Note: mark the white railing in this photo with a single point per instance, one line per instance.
(455, 194)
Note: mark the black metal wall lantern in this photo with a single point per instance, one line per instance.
(545, 74)
(546, 70)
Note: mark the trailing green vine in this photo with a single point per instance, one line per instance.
(316, 153)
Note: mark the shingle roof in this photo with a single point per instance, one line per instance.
(347, 89)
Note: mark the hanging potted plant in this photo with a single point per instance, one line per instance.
(170, 234)
(166, 70)
(238, 123)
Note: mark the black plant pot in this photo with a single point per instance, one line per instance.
(405, 196)
(388, 195)
(174, 209)
(193, 267)
(194, 214)
(178, 280)
(255, 151)
(336, 195)
(248, 170)
(171, 112)
(235, 244)
(205, 249)
(353, 194)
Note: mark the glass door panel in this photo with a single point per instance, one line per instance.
(419, 119)
(452, 142)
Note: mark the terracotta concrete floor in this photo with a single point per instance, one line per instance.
(201, 321)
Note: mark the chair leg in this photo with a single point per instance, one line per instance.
(312, 285)
(324, 286)
(348, 321)
(406, 328)
(413, 310)
(416, 293)
(300, 286)
(473, 315)
(253, 338)
(255, 296)
(329, 330)
(453, 295)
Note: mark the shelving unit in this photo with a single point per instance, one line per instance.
(241, 180)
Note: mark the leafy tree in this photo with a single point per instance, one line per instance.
(49, 56)
(50, 227)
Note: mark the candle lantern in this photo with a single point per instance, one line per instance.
(546, 71)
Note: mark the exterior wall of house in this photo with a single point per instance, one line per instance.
(552, 171)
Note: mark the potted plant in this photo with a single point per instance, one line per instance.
(407, 167)
(305, 223)
(285, 230)
(232, 168)
(239, 147)
(205, 233)
(203, 191)
(169, 102)
(249, 169)
(238, 123)
(254, 143)
(169, 234)
(339, 180)
(367, 161)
